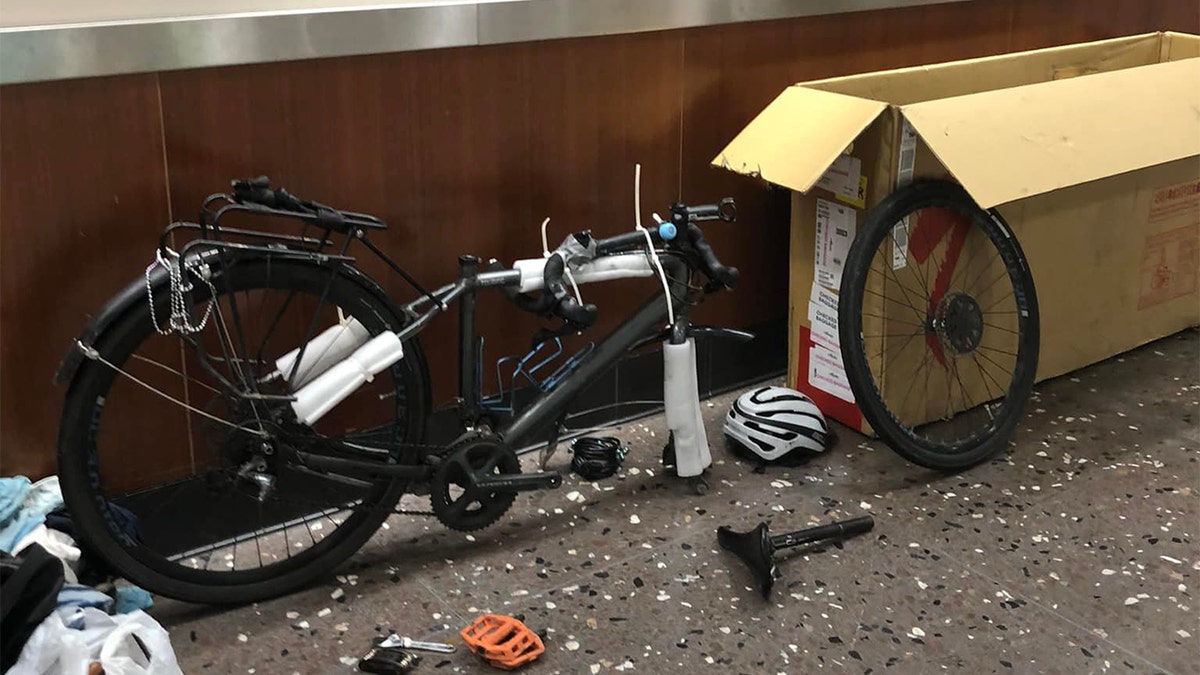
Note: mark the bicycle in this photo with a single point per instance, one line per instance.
(303, 392)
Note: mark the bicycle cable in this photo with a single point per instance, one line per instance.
(650, 253)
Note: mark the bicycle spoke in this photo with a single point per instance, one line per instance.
(249, 382)
(949, 413)
(991, 361)
(993, 349)
(1003, 275)
(997, 302)
(894, 335)
(902, 347)
(171, 370)
(983, 270)
(257, 543)
(919, 277)
(920, 314)
(913, 380)
(928, 373)
(287, 542)
(964, 264)
(967, 404)
(1006, 330)
(986, 377)
(908, 300)
(895, 320)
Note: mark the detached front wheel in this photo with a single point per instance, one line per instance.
(938, 320)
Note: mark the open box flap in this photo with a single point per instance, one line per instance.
(1178, 46)
(1014, 143)
(798, 136)
(915, 84)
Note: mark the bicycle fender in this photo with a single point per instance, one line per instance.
(117, 305)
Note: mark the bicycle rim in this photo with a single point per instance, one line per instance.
(946, 345)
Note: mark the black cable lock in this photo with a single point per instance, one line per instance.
(597, 457)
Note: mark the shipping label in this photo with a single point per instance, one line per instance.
(908, 154)
(844, 180)
(835, 230)
(827, 373)
(900, 244)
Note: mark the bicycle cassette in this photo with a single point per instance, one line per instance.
(456, 499)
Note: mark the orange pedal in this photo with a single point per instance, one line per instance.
(502, 641)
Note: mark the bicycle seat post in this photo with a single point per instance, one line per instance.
(468, 385)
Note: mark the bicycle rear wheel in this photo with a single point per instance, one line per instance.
(201, 498)
(938, 321)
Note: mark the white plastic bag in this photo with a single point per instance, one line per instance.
(53, 649)
(122, 655)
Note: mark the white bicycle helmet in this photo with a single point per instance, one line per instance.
(773, 422)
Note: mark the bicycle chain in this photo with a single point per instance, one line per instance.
(403, 512)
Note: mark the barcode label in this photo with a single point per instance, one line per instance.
(900, 244)
(908, 154)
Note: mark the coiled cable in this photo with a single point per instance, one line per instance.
(597, 457)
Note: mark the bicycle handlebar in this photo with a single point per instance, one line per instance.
(724, 275)
(726, 210)
(556, 299)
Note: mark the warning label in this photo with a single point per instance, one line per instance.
(1170, 261)
(1176, 201)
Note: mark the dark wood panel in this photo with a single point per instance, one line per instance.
(1042, 24)
(82, 201)
(461, 151)
(733, 72)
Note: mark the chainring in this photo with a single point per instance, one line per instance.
(459, 505)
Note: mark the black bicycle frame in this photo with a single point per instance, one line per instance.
(549, 406)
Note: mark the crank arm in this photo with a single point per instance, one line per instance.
(519, 482)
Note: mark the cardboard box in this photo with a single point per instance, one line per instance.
(1089, 152)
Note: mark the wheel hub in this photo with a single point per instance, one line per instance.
(958, 322)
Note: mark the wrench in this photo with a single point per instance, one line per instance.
(394, 640)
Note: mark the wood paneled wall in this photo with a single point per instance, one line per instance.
(460, 150)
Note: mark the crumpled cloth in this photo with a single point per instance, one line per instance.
(23, 507)
(58, 544)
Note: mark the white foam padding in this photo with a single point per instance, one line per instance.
(332, 387)
(332, 346)
(601, 269)
(681, 398)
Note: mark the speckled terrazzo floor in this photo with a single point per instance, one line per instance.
(1075, 553)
